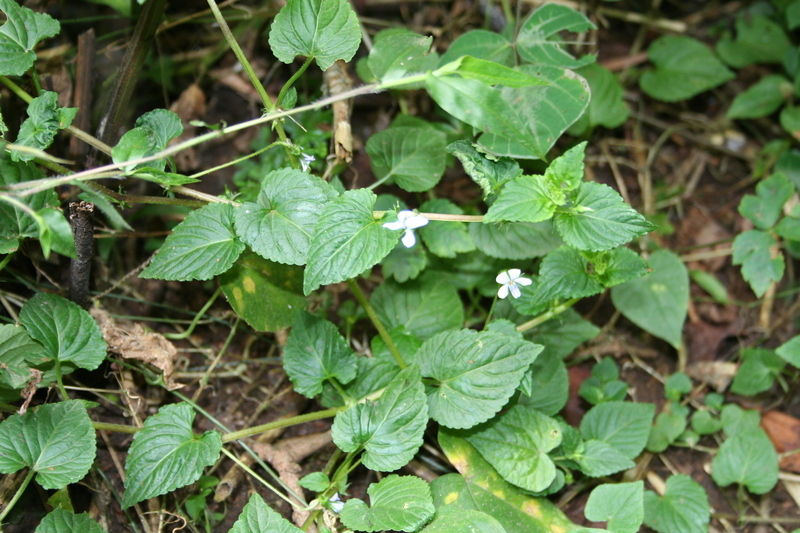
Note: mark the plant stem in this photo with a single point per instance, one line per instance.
(196, 319)
(259, 478)
(61, 389)
(18, 494)
(290, 81)
(491, 310)
(119, 428)
(249, 432)
(373, 316)
(544, 317)
(439, 216)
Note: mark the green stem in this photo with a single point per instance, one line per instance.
(291, 81)
(491, 310)
(544, 317)
(260, 479)
(373, 316)
(196, 319)
(300, 419)
(204, 380)
(438, 216)
(119, 428)
(18, 494)
(395, 84)
(59, 382)
(5, 260)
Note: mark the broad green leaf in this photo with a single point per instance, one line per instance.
(704, 423)
(19, 35)
(757, 372)
(599, 219)
(623, 425)
(612, 267)
(445, 239)
(413, 157)
(266, 295)
(316, 352)
(166, 454)
(425, 306)
(257, 517)
(347, 240)
(400, 55)
(749, 459)
(524, 199)
(657, 302)
(398, 503)
(165, 179)
(793, 15)
(63, 241)
(676, 386)
(683, 507)
(562, 334)
(737, 421)
(519, 436)
(61, 521)
(489, 72)
(545, 385)
(490, 173)
(16, 348)
(788, 228)
(758, 40)
(56, 441)
(790, 351)
(712, 285)
(534, 42)
(765, 207)
(164, 124)
(134, 144)
(600, 458)
(753, 251)
(482, 44)
(684, 67)
(565, 273)
(405, 264)
(472, 374)
(790, 120)
(619, 504)
(280, 224)
(390, 429)
(545, 112)
(407, 344)
(326, 30)
(607, 107)
(762, 99)
(479, 487)
(204, 245)
(16, 224)
(463, 521)
(67, 332)
(522, 240)
(667, 429)
(316, 481)
(41, 126)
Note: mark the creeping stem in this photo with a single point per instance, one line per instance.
(373, 316)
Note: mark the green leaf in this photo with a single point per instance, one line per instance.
(704, 423)
(442, 238)
(519, 436)
(42, 124)
(166, 454)
(202, 246)
(257, 517)
(56, 441)
(482, 44)
(764, 209)
(564, 273)
(16, 348)
(61, 521)
(399, 503)
(562, 334)
(758, 40)
(67, 332)
(534, 42)
(623, 425)
(788, 228)
(749, 459)
(753, 250)
(489, 72)
(524, 199)
(279, 226)
(599, 219)
(684, 507)
(316, 482)
(790, 120)
(667, 429)
(326, 30)
(757, 372)
(463, 521)
(266, 295)
(545, 111)
(599, 458)
(521, 240)
(473, 374)
(762, 99)
(63, 241)
(19, 35)
(164, 124)
(16, 224)
(479, 487)
(737, 421)
(413, 157)
(347, 240)
(400, 55)
(657, 302)
(619, 504)
(390, 430)
(616, 266)
(151, 134)
(425, 307)
(790, 351)
(545, 385)
(404, 264)
(684, 67)
(490, 173)
(676, 386)
(316, 352)
(712, 285)
(607, 107)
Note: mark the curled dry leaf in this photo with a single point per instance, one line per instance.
(190, 105)
(784, 432)
(133, 342)
(716, 374)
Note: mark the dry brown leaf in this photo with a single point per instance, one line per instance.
(784, 432)
(716, 374)
(190, 105)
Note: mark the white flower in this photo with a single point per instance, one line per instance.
(409, 221)
(510, 281)
(336, 503)
(305, 161)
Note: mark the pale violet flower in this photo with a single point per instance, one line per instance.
(305, 161)
(511, 280)
(409, 221)
(336, 503)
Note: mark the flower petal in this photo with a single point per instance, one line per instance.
(514, 273)
(502, 277)
(523, 281)
(514, 288)
(502, 292)
(417, 221)
(396, 225)
(409, 239)
(404, 215)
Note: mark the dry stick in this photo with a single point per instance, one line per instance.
(83, 91)
(81, 216)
